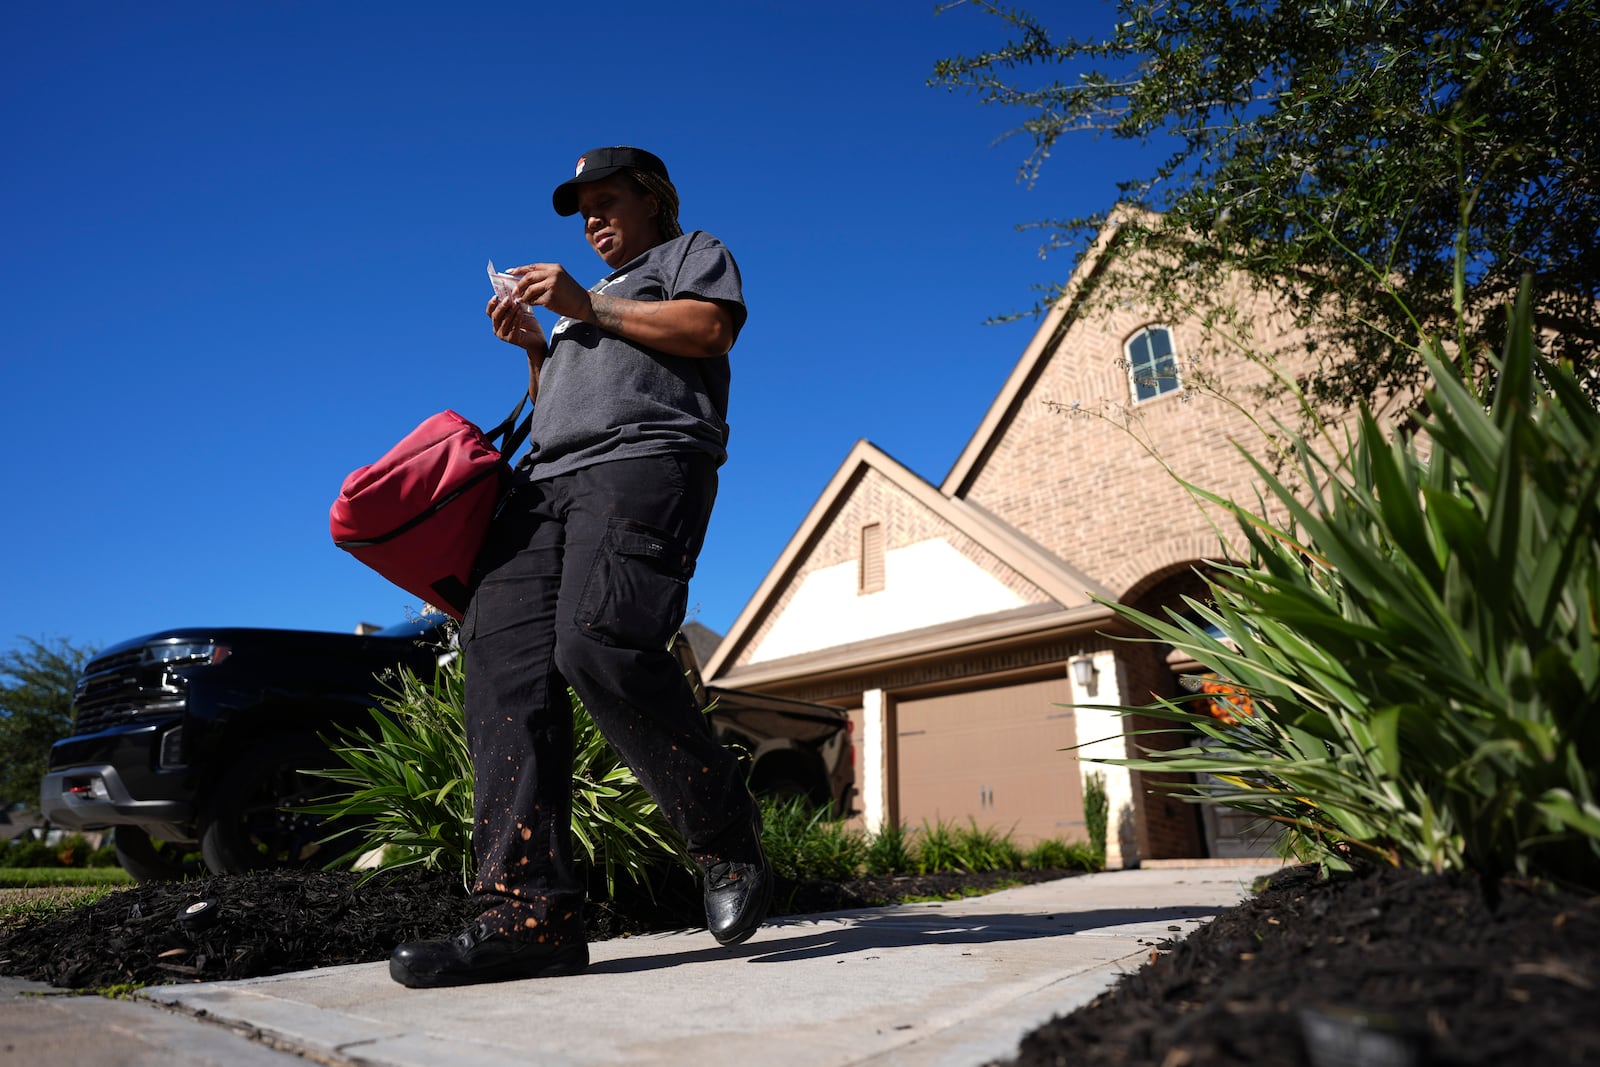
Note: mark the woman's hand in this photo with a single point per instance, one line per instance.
(515, 324)
(686, 326)
(549, 285)
(681, 327)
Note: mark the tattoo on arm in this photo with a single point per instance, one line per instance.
(607, 315)
(610, 311)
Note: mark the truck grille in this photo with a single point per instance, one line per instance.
(117, 689)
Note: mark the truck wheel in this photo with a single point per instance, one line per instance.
(785, 776)
(150, 860)
(251, 822)
(782, 791)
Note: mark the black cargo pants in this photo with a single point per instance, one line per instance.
(583, 581)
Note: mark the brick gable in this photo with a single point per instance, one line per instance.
(1077, 467)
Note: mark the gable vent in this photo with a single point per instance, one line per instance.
(871, 558)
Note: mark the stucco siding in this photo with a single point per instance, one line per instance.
(925, 584)
(933, 573)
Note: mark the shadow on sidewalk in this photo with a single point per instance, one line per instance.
(786, 940)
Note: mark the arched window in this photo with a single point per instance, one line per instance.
(1152, 366)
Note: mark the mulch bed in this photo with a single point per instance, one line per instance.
(275, 922)
(1386, 967)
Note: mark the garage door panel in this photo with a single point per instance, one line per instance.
(993, 756)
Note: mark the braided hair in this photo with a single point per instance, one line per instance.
(666, 195)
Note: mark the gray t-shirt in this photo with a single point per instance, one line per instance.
(603, 398)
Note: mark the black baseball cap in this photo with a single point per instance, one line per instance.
(598, 163)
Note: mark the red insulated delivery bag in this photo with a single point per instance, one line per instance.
(418, 516)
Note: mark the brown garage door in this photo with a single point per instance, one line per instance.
(992, 755)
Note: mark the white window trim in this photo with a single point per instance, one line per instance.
(1127, 359)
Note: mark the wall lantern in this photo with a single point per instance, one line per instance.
(1083, 672)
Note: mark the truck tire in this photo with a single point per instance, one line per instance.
(149, 860)
(786, 781)
(782, 791)
(250, 822)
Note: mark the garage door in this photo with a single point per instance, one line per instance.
(993, 755)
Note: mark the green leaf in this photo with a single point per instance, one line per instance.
(1562, 809)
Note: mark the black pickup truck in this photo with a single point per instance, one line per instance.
(195, 740)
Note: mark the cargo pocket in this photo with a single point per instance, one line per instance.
(637, 589)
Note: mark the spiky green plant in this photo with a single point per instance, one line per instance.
(1056, 854)
(942, 845)
(1418, 644)
(936, 848)
(985, 848)
(1096, 812)
(409, 779)
(803, 842)
(889, 850)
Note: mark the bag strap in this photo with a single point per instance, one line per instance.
(512, 439)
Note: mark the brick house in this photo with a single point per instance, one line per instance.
(961, 623)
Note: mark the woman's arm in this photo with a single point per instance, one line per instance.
(686, 326)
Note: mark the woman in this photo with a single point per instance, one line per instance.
(583, 580)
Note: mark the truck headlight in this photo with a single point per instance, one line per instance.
(187, 652)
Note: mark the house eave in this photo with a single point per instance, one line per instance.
(966, 636)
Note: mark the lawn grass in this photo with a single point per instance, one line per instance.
(25, 907)
(35, 877)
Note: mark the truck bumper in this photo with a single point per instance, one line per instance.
(94, 797)
(115, 778)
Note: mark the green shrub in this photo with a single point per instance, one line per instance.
(1096, 812)
(410, 780)
(1057, 855)
(934, 848)
(1417, 648)
(986, 849)
(31, 853)
(73, 851)
(942, 846)
(889, 851)
(804, 843)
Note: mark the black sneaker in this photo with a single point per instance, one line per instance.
(476, 955)
(737, 897)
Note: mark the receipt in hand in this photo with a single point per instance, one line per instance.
(505, 285)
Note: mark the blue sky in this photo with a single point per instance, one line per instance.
(244, 253)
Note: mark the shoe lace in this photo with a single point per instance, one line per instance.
(472, 935)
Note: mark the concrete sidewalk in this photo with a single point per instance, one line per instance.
(956, 983)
